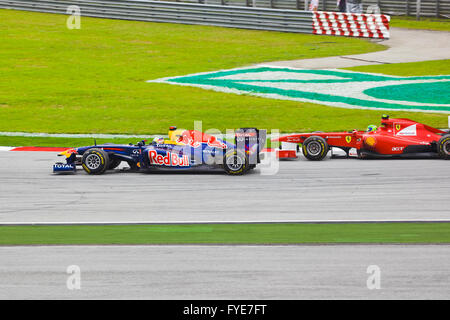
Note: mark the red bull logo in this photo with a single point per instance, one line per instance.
(214, 143)
(195, 139)
(190, 141)
(169, 160)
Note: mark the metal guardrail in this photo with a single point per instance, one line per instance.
(428, 8)
(177, 12)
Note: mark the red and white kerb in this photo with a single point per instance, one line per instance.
(351, 24)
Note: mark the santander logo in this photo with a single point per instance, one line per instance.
(170, 160)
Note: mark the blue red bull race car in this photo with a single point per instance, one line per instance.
(185, 149)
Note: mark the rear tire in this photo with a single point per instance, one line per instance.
(315, 148)
(235, 162)
(95, 161)
(444, 147)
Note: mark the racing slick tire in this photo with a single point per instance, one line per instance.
(444, 147)
(315, 148)
(235, 162)
(95, 161)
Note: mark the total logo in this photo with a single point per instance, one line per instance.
(170, 159)
(63, 166)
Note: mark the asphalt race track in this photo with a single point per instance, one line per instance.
(225, 272)
(334, 189)
(405, 45)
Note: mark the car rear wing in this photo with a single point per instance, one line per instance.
(251, 140)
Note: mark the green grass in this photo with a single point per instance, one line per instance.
(92, 80)
(227, 234)
(425, 68)
(423, 23)
(59, 142)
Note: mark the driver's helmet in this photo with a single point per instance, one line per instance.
(158, 140)
(371, 128)
(175, 134)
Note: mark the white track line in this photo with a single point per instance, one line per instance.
(225, 222)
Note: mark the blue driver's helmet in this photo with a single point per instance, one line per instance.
(371, 128)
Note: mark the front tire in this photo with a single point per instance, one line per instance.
(444, 147)
(315, 148)
(235, 162)
(95, 161)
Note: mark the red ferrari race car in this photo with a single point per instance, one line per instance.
(394, 138)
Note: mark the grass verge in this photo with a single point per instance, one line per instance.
(227, 234)
(424, 23)
(59, 142)
(424, 68)
(93, 80)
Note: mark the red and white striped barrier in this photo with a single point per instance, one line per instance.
(351, 24)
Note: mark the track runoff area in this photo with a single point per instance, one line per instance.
(312, 230)
(354, 228)
(174, 236)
